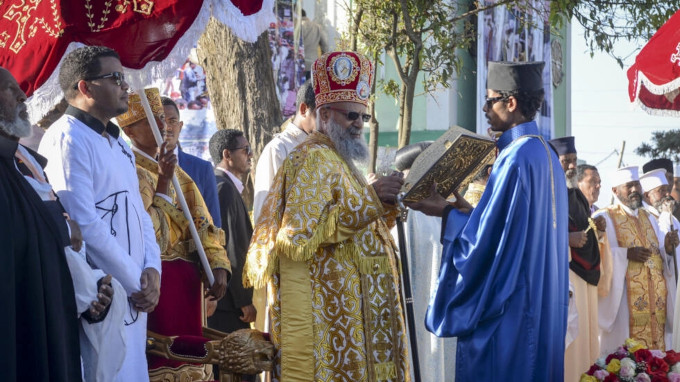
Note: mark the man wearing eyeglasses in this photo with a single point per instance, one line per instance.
(324, 246)
(233, 157)
(93, 171)
(201, 171)
(503, 283)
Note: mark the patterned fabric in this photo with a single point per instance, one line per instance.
(474, 193)
(342, 77)
(169, 222)
(329, 228)
(136, 111)
(646, 285)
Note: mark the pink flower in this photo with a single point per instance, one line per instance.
(657, 353)
(601, 374)
(642, 377)
(593, 369)
(674, 377)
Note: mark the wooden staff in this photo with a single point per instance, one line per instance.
(180, 195)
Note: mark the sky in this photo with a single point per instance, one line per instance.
(602, 116)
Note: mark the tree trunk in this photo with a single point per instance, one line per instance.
(406, 112)
(241, 86)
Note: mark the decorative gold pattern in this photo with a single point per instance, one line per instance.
(21, 14)
(104, 18)
(645, 282)
(330, 86)
(333, 223)
(136, 111)
(169, 222)
(464, 158)
(183, 373)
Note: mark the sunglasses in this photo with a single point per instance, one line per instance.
(247, 148)
(352, 115)
(117, 77)
(489, 102)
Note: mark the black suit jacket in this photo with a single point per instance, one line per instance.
(238, 231)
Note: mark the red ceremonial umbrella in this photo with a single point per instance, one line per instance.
(654, 78)
(153, 37)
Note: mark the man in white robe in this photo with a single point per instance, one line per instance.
(93, 171)
(640, 252)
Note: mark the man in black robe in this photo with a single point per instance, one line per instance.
(584, 267)
(38, 325)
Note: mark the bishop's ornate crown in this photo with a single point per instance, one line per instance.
(136, 111)
(342, 77)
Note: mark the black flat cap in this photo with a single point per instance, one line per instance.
(508, 76)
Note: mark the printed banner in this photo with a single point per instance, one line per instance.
(507, 34)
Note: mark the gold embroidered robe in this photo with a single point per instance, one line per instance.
(323, 244)
(645, 283)
(172, 232)
(177, 245)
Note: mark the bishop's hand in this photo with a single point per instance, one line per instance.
(639, 254)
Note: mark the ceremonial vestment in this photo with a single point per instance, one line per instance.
(95, 178)
(325, 249)
(639, 304)
(179, 308)
(584, 274)
(503, 285)
(474, 193)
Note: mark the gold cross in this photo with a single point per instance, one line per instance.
(20, 13)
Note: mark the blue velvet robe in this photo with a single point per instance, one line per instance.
(503, 285)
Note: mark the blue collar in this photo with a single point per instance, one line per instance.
(527, 128)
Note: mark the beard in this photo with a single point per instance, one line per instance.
(19, 127)
(665, 204)
(572, 179)
(351, 148)
(634, 201)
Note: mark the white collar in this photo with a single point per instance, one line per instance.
(237, 182)
(142, 153)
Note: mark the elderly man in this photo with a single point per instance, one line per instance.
(588, 179)
(38, 324)
(640, 299)
(93, 171)
(325, 248)
(200, 171)
(584, 266)
(503, 283)
(179, 308)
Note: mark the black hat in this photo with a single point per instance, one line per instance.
(508, 76)
(564, 145)
(653, 164)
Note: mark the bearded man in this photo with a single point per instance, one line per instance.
(640, 301)
(325, 247)
(584, 266)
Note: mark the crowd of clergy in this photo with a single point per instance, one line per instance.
(530, 278)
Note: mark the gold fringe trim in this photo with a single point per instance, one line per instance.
(385, 371)
(326, 227)
(641, 319)
(374, 265)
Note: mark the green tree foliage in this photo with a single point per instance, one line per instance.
(665, 144)
(606, 22)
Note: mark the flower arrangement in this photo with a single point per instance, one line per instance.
(633, 362)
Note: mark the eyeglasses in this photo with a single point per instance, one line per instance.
(352, 115)
(247, 148)
(117, 77)
(490, 101)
